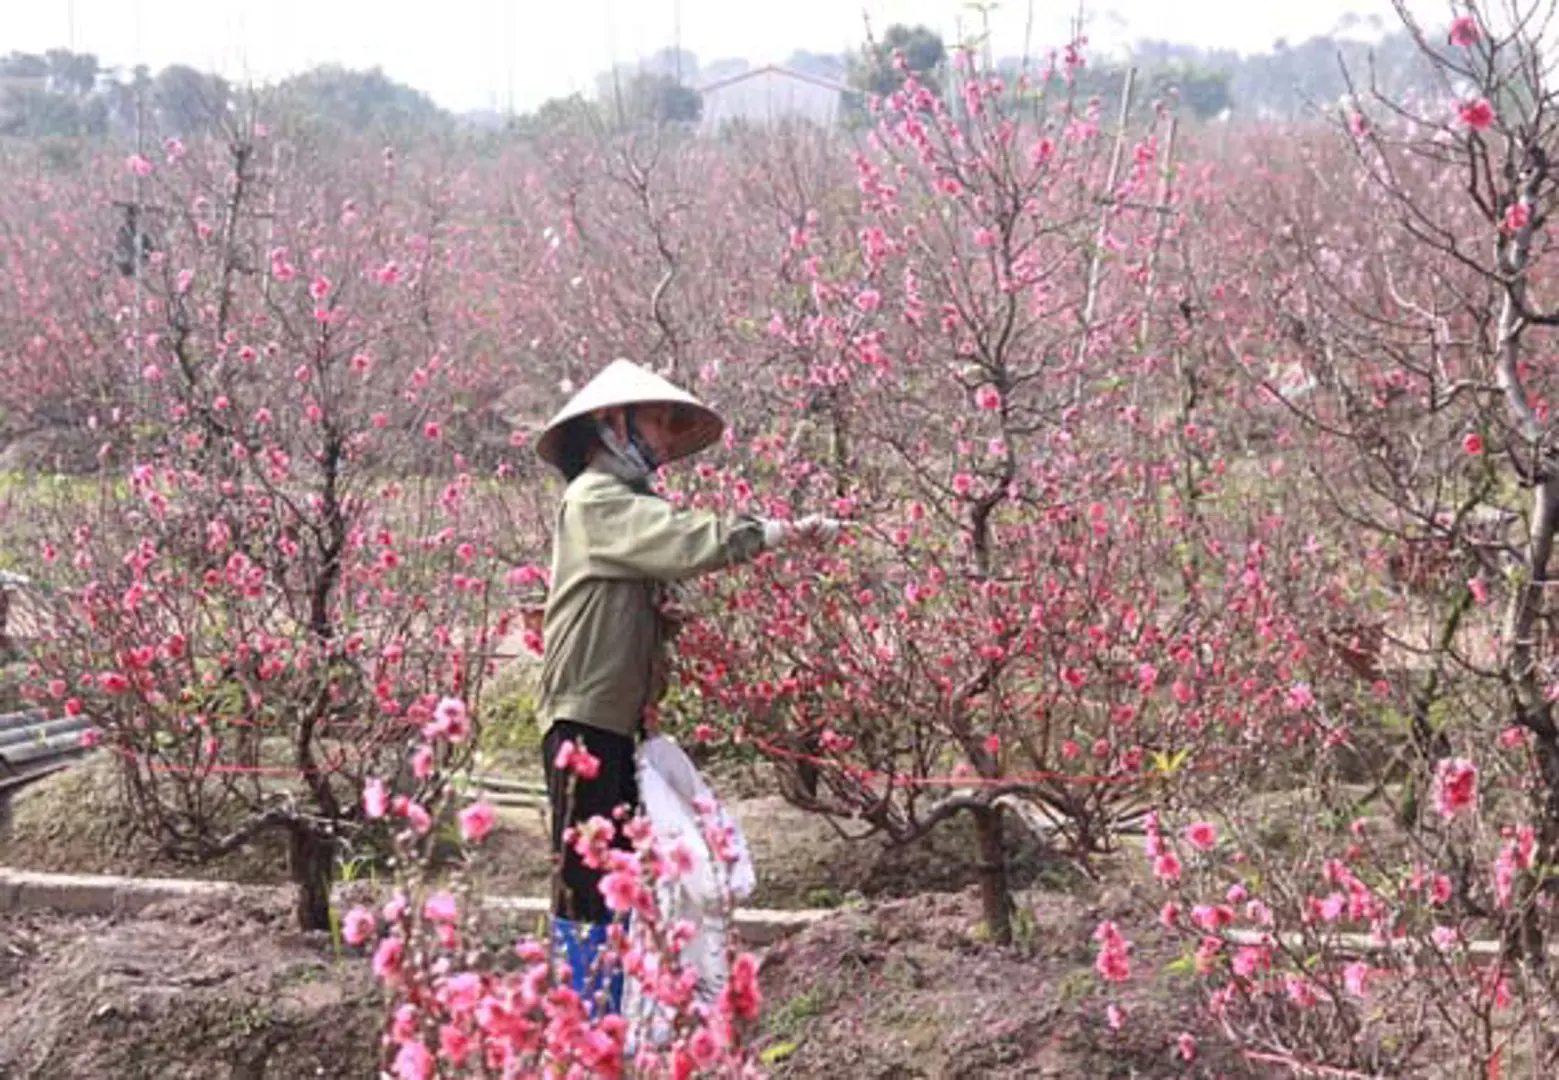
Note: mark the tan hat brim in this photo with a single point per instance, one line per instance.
(622, 383)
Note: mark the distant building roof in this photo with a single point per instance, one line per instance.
(777, 69)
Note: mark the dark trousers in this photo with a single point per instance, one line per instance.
(576, 893)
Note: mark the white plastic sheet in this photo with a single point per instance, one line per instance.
(681, 810)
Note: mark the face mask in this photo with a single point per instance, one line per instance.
(636, 443)
(627, 461)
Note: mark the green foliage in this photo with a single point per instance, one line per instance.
(1286, 81)
(656, 99)
(50, 95)
(30, 112)
(66, 94)
(507, 720)
(188, 101)
(786, 1019)
(24, 66)
(334, 98)
(925, 55)
(682, 711)
(560, 116)
(824, 896)
(72, 73)
(11, 676)
(1201, 90)
(1184, 964)
(1076, 985)
(777, 1053)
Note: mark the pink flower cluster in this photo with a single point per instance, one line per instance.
(452, 1015)
(1455, 787)
(457, 1009)
(1112, 963)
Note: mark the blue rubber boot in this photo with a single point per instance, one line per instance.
(595, 973)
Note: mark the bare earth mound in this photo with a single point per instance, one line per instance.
(900, 987)
(904, 990)
(72, 822)
(188, 992)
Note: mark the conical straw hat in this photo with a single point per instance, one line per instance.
(624, 383)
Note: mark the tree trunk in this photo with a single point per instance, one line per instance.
(310, 858)
(1534, 711)
(1533, 883)
(806, 769)
(995, 897)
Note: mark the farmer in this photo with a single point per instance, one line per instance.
(618, 553)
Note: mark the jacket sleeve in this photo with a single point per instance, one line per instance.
(639, 536)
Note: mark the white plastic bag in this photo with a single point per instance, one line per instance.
(671, 794)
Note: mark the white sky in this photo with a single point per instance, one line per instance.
(468, 53)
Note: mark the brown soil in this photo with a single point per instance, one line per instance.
(186, 992)
(71, 823)
(898, 985)
(901, 990)
(906, 990)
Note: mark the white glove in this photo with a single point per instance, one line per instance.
(818, 527)
(812, 527)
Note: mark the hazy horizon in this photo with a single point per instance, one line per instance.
(490, 54)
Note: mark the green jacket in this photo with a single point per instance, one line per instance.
(613, 550)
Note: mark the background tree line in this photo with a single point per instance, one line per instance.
(66, 94)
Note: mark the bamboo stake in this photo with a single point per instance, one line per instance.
(1166, 185)
(1094, 265)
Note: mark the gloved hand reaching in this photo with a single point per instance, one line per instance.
(813, 527)
(818, 527)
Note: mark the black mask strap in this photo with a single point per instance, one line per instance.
(638, 444)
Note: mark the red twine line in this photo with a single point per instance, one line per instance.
(899, 780)
(332, 767)
(1305, 1067)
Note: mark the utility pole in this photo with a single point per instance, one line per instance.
(611, 49)
(508, 50)
(676, 37)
